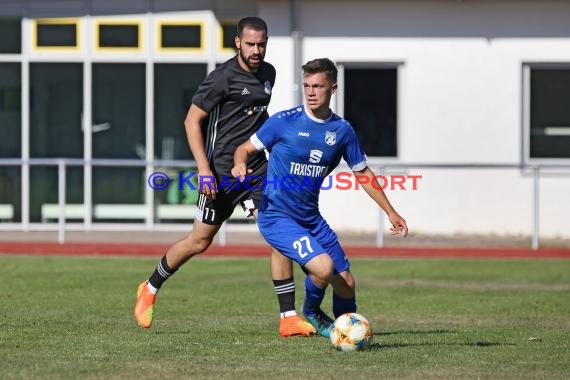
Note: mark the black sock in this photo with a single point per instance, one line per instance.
(161, 273)
(285, 290)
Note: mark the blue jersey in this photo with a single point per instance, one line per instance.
(304, 150)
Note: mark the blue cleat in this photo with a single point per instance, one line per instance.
(320, 321)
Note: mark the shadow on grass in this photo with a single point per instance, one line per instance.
(422, 332)
(384, 346)
(379, 346)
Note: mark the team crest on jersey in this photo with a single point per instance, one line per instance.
(330, 137)
(267, 86)
(315, 156)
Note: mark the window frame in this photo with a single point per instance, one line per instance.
(162, 49)
(526, 116)
(118, 22)
(56, 21)
(337, 104)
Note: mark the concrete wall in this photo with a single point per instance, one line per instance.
(460, 100)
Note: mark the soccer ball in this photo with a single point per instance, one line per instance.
(351, 332)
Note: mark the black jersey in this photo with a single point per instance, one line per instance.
(236, 101)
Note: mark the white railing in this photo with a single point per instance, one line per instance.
(535, 169)
(148, 211)
(61, 211)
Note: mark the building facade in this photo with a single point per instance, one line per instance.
(456, 103)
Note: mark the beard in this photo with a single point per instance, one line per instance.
(252, 61)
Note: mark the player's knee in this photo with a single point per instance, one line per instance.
(323, 269)
(196, 246)
(202, 245)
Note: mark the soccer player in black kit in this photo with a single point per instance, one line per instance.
(229, 106)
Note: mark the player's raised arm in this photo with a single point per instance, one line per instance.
(241, 155)
(369, 183)
(193, 124)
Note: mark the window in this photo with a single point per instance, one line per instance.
(119, 115)
(548, 112)
(174, 86)
(180, 36)
(56, 33)
(228, 34)
(118, 35)
(10, 194)
(119, 187)
(10, 110)
(369, 103)
(11, 32)
(119, 119)
(56, 107)
(44, 190)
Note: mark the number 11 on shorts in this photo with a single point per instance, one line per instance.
(209, 214)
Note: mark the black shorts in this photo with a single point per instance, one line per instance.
(216, 211)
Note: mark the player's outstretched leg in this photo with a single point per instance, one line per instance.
(195, 243)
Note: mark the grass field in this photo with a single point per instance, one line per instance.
(71, 318)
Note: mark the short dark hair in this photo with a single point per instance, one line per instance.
(321, 65)
(254, 23)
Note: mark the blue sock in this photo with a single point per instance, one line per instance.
(341, 306)
(313, 297)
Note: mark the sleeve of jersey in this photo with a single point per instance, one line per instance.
(354, 154)
(267, 135)
(211, 91)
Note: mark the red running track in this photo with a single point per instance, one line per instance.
(96, 248)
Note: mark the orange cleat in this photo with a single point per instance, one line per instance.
(144, 308)
(295, 325)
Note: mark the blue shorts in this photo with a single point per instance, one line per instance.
(301, 243)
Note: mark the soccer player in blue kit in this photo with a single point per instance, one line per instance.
(306, 144)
